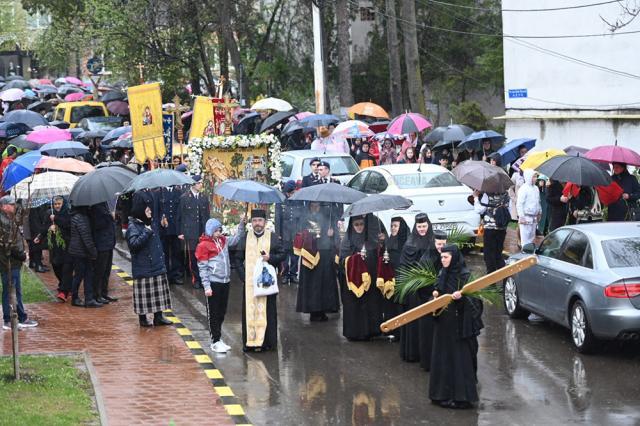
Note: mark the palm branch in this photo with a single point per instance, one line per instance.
(457, 236)
(411, 278)
(490, 295)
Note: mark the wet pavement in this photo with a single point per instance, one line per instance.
(529, 373)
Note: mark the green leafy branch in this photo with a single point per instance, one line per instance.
(411, 278)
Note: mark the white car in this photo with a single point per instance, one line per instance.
(297, 164)
(432, 188)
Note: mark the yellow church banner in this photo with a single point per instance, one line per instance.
(202, 121)
(145, 108)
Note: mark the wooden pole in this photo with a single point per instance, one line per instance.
(442, 301)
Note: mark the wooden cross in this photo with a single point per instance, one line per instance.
(228, 106)
(140, 67)
(177, 109)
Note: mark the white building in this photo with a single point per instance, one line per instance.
(582, 91)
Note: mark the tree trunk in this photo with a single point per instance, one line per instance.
(393, 46)
(194, 78)
(204, 58)
(325, 55)
(344, 54)
(223, 56)
(412, 57)
(232, 45)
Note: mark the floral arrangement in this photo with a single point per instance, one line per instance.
(197, 146)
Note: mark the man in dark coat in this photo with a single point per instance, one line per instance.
(558, 214)
(193, 213)
(287, 225)
(619, 210)
(38, 225)
(312, 178)
(168, 206)
(83, 251)
(259, 314)
(103, 228)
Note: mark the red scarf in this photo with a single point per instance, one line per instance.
(208, 247)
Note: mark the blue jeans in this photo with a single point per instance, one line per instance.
(6, 309)
(82, 271)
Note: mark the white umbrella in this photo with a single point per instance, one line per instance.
(274, 104)
(11, 95)
(45, 185)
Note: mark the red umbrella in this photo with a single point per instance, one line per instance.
(614, 154)
(607, 194)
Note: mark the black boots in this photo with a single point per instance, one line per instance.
(158, 319)
(143, 321)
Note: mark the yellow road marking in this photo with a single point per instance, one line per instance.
(223, 390)
(184, 331)
(193, 345)
(202, 358)
(234, 410)
(213, 374)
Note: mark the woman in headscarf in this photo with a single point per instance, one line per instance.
(452, 383)
(387, 153)
(318, 289)
(361, 300)
(399, 232)
(418, 243)
(58, 238)
(150, 284)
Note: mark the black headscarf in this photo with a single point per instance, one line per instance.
(417, 245)
(396, 242)
(138, 212)
(369, 236)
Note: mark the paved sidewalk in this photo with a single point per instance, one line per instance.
(145, 376)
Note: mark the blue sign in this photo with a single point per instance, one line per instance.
(94, 65)
(167, 133)
(518, 93)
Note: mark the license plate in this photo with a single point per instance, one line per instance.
(444, 226)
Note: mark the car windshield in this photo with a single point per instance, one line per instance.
(105, 123)
(80, 112)
(622, 252)
(425, 180)
(339, 165)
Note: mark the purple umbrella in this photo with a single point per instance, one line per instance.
(118, 108)
(410, 122)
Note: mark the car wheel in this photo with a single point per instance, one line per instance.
(512, 301)
(581, 335)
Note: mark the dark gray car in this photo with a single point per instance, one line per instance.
(587, 279)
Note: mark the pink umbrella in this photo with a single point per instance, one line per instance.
(614, 154)
(45, 81)
(409, 122)
(301, 115)
(74, 97)
(12, 95)
(49, 134)
(64, 164)
(118, 108)
(353, 129)
(73, 80)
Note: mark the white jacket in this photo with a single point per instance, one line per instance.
(528, 199)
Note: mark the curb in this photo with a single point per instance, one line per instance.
(229, 400)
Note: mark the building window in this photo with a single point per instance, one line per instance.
(367, 14)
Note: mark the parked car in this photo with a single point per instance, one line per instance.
(587, 279)
(297, 164)
(73, 112)
(432, 188)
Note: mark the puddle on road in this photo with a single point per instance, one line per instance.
(167, 353)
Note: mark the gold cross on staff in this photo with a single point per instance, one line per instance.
(140, 67)
(177, 109)
(228, 106)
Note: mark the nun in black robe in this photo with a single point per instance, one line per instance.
(362, 316)
(414, 249)
(397, 238)
(318, 287)
(452, 382)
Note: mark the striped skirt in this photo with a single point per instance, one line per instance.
(151, 294)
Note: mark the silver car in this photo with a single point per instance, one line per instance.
(587, 279)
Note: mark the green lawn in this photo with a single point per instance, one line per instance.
(33, 290)
(54, 392)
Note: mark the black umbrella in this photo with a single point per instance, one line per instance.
(274, 119)
(40, 106)
(30, 118)
(377, 203)
(328, 193)
(60, 124)
(249, 124)
(101, 185)
(483, 176)
(113, 95)
(22, 142)
(451, 133)
(319, 120)
(295, 126)
(10, 130)
(46, 89)
(435, 135)
(92, 134)
(66, 89)
(14, 78)
(578, 170)
(249, 191)
(16, 84)
(125, 143)
(158, 178)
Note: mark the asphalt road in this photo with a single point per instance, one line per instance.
(528, 371)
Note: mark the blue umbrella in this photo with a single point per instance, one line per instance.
(249, 191)
(20, 169)
(10, 130)
(509, 153)
(116, 133)
(30, 118)
(318, 120)
(64, 149)
(474, 140)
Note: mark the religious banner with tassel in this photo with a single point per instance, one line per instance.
(145, 106)
(202, 120)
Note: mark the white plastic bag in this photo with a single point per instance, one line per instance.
(265, 280)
